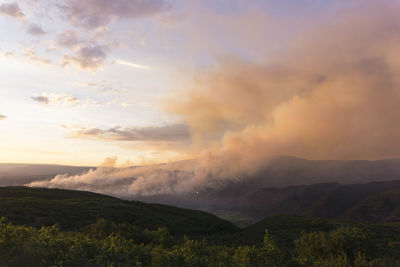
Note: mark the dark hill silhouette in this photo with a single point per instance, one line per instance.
(383, 207)
(72, 210)
(322, 200)
(289, 185)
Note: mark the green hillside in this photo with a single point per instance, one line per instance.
(72, 210)
(383, 207)
(376, 202)
(99, 230)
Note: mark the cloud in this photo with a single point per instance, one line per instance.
(90, 57)
(63, 100)
(6, 54)
(12, 9)
(130, 64)
(97, 13)
(170, 132)
(103, 86)
(2, 117)
(68, 39)
(41, 99)
(88, 49)
(30, 54)
(109, 162)
(35, 30)
(84, 53)
(127, 104)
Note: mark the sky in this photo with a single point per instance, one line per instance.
(132, 82)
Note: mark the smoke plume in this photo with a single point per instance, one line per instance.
(332, 92)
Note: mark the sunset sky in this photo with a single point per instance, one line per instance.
(84, 82)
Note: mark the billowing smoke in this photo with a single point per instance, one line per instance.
(331, 92)
(174, 177)
(334, 93)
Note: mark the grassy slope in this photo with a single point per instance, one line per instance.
(72, 210)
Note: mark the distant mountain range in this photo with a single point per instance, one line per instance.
(19, 174)
(289, 185)
(355, 190)
(373, 202)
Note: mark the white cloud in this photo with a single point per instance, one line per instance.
(170, 132)
(6, 54)
(64, 100)
(130, 64)
(31, 55)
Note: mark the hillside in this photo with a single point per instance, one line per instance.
(383, 207)
(326, 200)
(72, 210)
(290, 185)
(329, 200)
(95, 230)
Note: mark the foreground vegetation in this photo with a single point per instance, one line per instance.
(109, 244)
